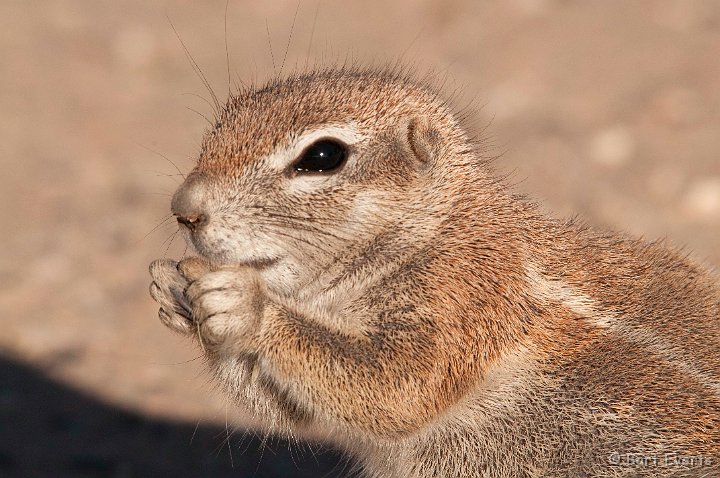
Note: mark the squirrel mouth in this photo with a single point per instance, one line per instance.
(259, 264)
(226, 258)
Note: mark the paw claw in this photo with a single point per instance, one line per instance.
(155, 291)
(164, 316)
(174, 322)
(182, 302)
(158, 265)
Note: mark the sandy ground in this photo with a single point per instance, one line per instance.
(607, 109)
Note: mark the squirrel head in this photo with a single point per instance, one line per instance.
(304, 170)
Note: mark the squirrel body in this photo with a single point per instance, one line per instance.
(404, 304)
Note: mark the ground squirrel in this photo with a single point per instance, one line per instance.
(361, 274)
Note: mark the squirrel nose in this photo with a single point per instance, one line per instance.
(191, 222)
(188, 203)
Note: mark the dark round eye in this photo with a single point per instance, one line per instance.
(325, 155)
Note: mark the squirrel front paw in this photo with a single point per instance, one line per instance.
(221, 306)
(226, 308)
(168, 288)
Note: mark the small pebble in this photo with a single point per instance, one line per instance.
(702, 199)
(677, 106)
(135, 46)
(613, 147)
(532, 7)
(514, 96)
(666, 182)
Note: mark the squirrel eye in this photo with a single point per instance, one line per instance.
(324, 155)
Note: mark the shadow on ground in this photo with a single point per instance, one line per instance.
(50, 430)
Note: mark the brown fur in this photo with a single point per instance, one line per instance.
(423, 317)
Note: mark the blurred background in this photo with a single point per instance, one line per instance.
(609, 109)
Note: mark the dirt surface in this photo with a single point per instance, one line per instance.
(606, 109)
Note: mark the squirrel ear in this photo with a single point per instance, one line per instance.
(424, 140)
